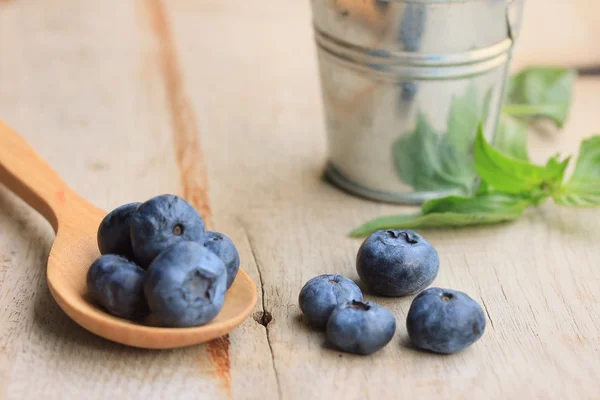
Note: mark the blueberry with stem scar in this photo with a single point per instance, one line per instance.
(360, 327)
(160, 223)
(444, 321)
(186, 285)
(397, 262)
(322, 294)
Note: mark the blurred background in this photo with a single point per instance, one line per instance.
(87, 75)
(561, 32)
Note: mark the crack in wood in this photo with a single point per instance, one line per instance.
(488, 313)
(266, 316)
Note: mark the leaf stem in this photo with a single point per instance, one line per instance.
(529, 110)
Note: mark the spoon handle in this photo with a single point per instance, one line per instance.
(29, 177)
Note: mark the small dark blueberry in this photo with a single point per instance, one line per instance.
(117, 284)
(186, 285)
(322, 294)
(225, 249)
(444, 321)
(160, 223)
(397, 262)
(360, 327)
(113, 234)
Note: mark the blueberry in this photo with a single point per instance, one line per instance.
(186, 285)
(113, 233)
(322, 294)
(397, 262)
(117, 284)
(224, 248)
(444, 321)
(161, 222)
(360, 327)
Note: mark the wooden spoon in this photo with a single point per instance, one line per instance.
(75, 222)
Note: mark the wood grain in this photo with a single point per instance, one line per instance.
(183, 121)
(88, 85)
(89, 123)
(188, 155)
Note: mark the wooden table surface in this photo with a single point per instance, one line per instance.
(128, 99)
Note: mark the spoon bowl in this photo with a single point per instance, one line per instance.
(75, 222)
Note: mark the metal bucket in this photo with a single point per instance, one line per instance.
(405, 85)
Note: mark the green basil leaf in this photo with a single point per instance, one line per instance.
(453, 211)
(487, 203)
(588, 161)
(427, 162)
(511, 138)
(416, 157)
(584, 193)
(434, 220)
(557, 168)
(486, 105)
(463, 119)
(458, 166)
(508, 174)
(542, 92)
(483, 188)
(583, 188)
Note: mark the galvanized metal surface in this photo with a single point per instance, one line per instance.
(386, 65)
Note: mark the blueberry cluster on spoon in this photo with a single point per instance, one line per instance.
(392, 263)
(157, 258)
